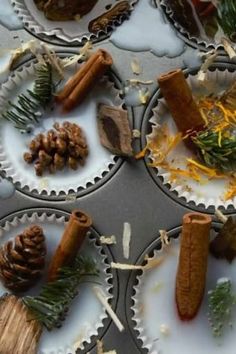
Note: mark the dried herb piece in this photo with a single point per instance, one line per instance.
(22, 260)
(62, 146)
(221, 302)
(19, 332)
(51, 306)
(102, 22)
(114, 130)
(224, 244)
(217, 151)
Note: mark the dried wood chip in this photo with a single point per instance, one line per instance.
(102, 298)
(114, 130)
(19, 332)
(136, 66)
(126, 239)
(209, 59)
(108, 240)
(228, 48)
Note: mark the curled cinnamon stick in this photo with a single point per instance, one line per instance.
(192, 268)
(180, 102)
(78, 87)
(72, 239)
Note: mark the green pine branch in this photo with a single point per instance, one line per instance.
(221, 302)
(50, 307)
(216, 153)
(227, 17)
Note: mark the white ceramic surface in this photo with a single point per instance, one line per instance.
(99, 159)
(68, 31)
(148, 31)
(86, 314)
(212, 192)
(154, 306)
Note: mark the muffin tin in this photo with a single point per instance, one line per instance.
(129, 192)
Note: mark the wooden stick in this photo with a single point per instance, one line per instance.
(192, 268)
(19, 332)
(72, 239)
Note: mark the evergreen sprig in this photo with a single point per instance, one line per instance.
(226, 17)
(221, 302)
(50, 307)
(216, 153)
(25, 113)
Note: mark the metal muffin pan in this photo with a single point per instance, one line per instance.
(130, 194)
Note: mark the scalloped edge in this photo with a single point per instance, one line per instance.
(175, 187)
(41, 187)
(34, 218)
(137, 304)
(195, 40)
(31, 23)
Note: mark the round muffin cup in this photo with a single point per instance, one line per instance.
(156, 326)
(212, 192)
(86, 315)
(99, 160)
(70, 32)
(202, 43)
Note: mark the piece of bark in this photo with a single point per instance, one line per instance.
(114, 130)
(68, 9)
(192, 267)
(224, 244)
(180, 101)
(19, 332)
(71, 241)
(102, 22)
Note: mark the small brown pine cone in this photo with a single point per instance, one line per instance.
(39, 168)
(61, 146)
(28, 157)
(72, 163)
(44, 158)
(59, 162)
(22, 260)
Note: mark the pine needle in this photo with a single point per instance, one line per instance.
(221, 302)
(50, 307)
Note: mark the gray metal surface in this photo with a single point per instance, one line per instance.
(129, 194)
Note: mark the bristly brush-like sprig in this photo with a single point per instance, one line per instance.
(51, 306)
(226, 17)
(216, 152)
(25, 113)
(221, 302)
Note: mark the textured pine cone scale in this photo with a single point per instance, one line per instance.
(23, 259)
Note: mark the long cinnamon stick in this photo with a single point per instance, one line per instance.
(77, 77)
(180, 102)
(192, 268)
(72, 239)
(78, 87)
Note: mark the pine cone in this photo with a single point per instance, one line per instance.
(64, 146)
(22, 260)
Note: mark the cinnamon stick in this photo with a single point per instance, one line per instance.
(180, 102)
(192, 267)
(72, 239)
(78, 87)
(19, 332)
